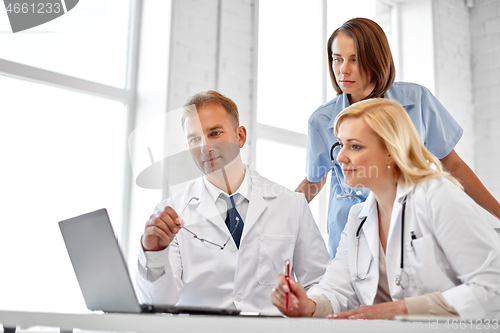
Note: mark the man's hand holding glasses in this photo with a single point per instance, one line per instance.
(161, 230)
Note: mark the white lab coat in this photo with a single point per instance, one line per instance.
(278, 226)
(455, 252)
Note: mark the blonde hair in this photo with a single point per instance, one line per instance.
(414, 163)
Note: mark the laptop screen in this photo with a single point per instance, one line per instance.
(98, 263)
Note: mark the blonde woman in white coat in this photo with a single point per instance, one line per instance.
(424, 247)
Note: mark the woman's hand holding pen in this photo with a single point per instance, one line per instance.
(161, 229)
(299, 305)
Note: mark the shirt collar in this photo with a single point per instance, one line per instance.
(393, 93)
(402, 191)
(243, 190)
(341, 104)
(396, 94)
(368, 206)
(371, 203)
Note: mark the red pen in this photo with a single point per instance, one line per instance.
(286, 272)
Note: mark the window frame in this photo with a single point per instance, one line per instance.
(297, 139)
(293, 138)
(127, 95)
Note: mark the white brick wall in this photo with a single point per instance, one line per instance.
(208, 53)
(485, 44)
(453, 69)
(467, 67)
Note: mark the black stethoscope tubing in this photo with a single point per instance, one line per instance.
(331, 150)
(346, 195)
(399, 278)
(401, 265)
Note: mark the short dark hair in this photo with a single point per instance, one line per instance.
(373, 54)
(212, 97)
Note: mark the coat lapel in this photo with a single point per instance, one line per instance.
(368, 254)
(370, 228)
(200, 200)
(261, 192)
(393, 255)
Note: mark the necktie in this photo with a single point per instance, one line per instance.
(233, 219)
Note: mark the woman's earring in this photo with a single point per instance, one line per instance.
(388, 165)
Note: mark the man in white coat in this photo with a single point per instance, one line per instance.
(222, 240)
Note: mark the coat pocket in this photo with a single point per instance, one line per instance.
(428, 265)
(273, 251)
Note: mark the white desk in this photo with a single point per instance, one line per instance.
(154, 323)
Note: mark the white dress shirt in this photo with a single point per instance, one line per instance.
(242, 201)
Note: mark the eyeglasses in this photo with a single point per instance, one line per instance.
(212, 245)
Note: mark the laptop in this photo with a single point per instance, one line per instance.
(102, 273)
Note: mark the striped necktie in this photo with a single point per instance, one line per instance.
(233, 219)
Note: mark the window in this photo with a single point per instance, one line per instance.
(74, 44)
(66, 104)
(293, 81)
(290, 66)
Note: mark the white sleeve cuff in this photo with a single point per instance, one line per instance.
(464, 301)
(154, 259)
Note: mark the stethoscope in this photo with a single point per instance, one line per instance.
(401, 279)
(346, 195)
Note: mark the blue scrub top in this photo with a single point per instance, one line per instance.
(436, 127)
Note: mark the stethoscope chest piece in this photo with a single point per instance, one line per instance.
(402, 280)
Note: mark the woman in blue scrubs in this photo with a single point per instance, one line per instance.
(361, 67)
